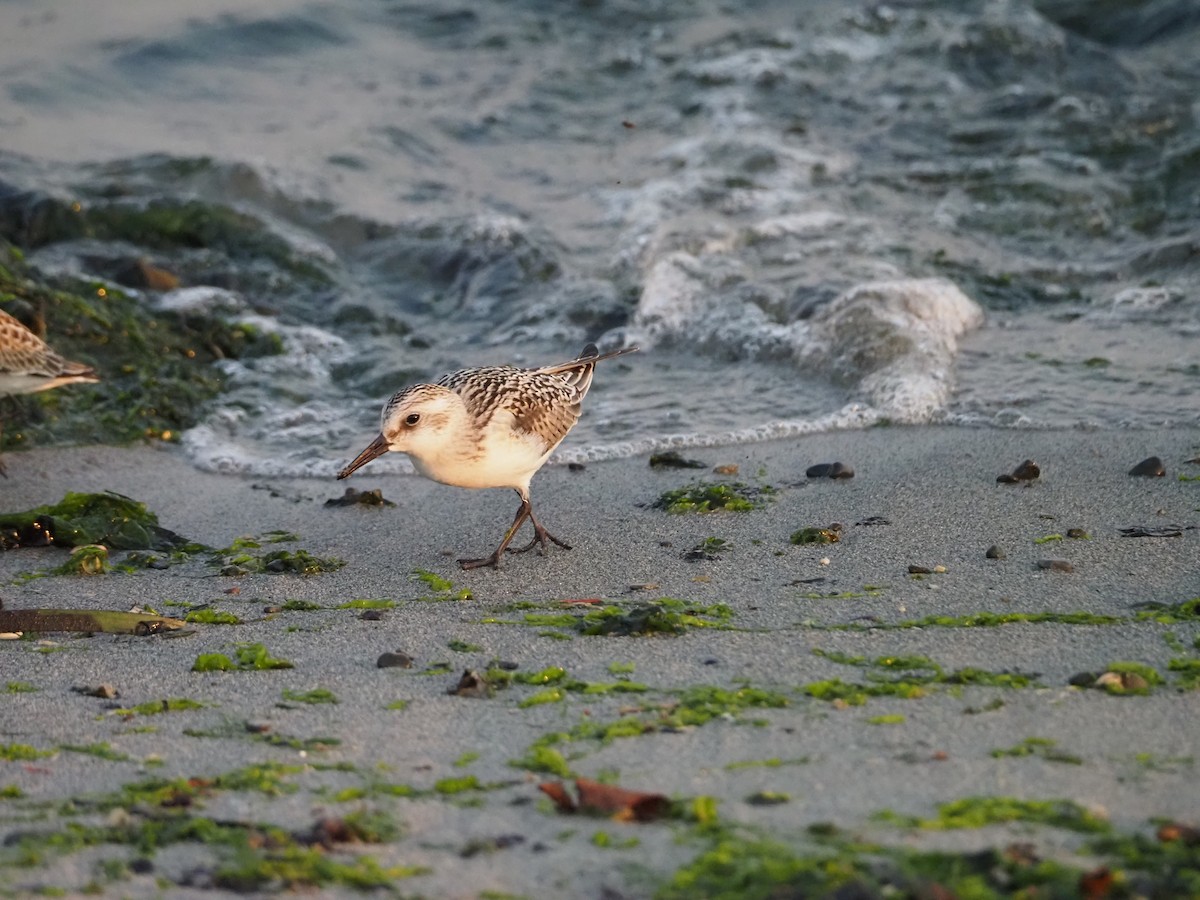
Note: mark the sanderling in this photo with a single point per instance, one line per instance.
(28, 365)
(489, 427)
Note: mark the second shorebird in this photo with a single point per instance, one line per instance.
(488, 427)
(28, 365)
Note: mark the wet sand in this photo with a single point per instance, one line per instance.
(920, 496)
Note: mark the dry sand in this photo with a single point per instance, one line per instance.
(934, 487)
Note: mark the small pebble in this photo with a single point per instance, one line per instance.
(1026, 471)
(1151, 467)
(919, 570)
(829, 470)
(103, 691)
(507, 665)
(576, 466)
(1083, 679)
(371, 615)
(270, 610)
(1078, 534)
(395, 660)
(996, 552)
(471, 684)
(1055, 565)
(729, 469)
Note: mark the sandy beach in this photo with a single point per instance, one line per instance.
(784, 633)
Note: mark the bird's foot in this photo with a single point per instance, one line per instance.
(493, 561)
(540, 538)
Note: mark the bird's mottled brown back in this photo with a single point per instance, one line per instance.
(541, 403)
(23, 352)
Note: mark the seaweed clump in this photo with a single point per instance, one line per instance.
(705, 496)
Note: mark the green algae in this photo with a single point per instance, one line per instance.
(249, 657)
(463, 646)
(739, 863)
(814, 534)
(663, 616)
(398, 705)
(1043, 748)
(157, 707)
(1169, 613)
(541, 758)
(20, 687)
(98, 749)
(82, 519)
(299, 606)
(769, 798)
(1187, 671)
(986, 620)
(22, 752)
(606, 841)
(688, 708)
(773, 762)
(921, 675)
(212, 617)
(89, 559)
(378, 603)
(237, 562)
(552, 695)
(704, 497)
(315, 696)
(979, 812)
(887, 719)
(457, 784)
(442, 588)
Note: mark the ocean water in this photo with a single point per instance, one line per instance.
(809, 215)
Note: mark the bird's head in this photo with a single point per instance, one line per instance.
(420, 421)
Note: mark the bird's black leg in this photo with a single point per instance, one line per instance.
(524, 511)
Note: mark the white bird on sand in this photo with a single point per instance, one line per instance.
(488, 427)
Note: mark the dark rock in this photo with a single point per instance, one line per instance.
(919, 570)
(507, 665)
(371, 615)
(1151, 467)
(103, 691)
(670, 459)
(1079, 534)
(874, 520)
(395, 660)
(576, 466)
(1082, 679)
(471, 684)
(1027, 471)
(1055, 565)
(355, 497)
(830, 470)
(1153, 531)
(996, 552)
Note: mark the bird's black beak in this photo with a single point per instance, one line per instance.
(374, 450)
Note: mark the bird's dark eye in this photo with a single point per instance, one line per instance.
(412, 419)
